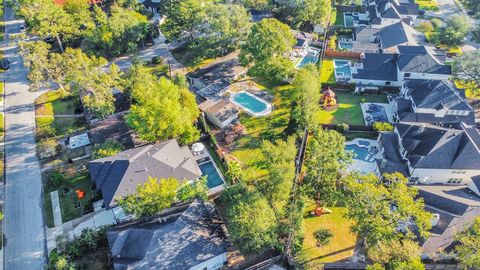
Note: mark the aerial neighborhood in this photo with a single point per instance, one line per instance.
(240, 134)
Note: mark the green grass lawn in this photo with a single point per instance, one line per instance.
(52, 103)
(2, 129)
(271, 127)
(339, 19)
(430, 5)
(350, 135)
(349, 110)
(341, 245)
(186, 57)
(68, 200)
(327, 74)
(62, 125)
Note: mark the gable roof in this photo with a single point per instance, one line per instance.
(119, 175)
(419, 59)
(377, 66)
(436, 94)
(221, 108)
(179, 239)
(438, 147)
(393, 162)
(389, 36)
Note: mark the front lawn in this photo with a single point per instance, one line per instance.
(189, 58)
(52, 103)
(271, 127)
(349, 110)
(327, 74)
(59, 126)
(430, 5)
(71, 206)
(341, 245)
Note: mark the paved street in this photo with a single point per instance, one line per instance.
(23, 221)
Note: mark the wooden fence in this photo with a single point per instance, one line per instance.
(342, 54)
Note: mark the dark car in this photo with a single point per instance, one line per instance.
(471, 13)
(421, 12)
(5, 64)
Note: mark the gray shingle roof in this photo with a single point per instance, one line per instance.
(377, 66)
(418, 59)
(393, 162)
(437, 147)
(119, 175)
(433, 94)
(178, 240)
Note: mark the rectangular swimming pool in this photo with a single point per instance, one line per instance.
(251, 103)
(213, 177)
(307, 59)
(342, 68)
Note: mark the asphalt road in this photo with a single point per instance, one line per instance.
(24, 226)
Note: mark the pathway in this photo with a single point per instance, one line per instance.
(23, 222)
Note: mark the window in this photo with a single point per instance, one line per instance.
(387, 83)
(407, 75)
(450, 180)
(413, 179)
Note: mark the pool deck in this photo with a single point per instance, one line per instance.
(389, 110)
(215, 190)
(362, 166)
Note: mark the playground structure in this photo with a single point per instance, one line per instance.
(328, 101)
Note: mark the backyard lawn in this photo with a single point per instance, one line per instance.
(339, 19)
(271, 127)
(341, 245)
(349, 110)
(430, 5)
(68, 199)
(327, 74)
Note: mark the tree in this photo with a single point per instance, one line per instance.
(385, 210)
(323, 236)
(280, 165)
(253, 4)
(325, 159)
(47, 19)
(151, 198)
(234, 171)
(184, 16)
(468, 251)
(251, 221)
(426, 26)
(306, 95)
(456, 30)
(108, 148)
(161, 109)
(118, 33)
(192, 190)
(465, 68)
(266, 50)
(299, 12)
(393, 255)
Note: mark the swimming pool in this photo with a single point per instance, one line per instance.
(251, 104)
(342, 68)
(307, 59)
(360, 153)
(213, 177)
(345, 45)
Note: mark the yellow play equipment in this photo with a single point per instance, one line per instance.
(328, 98)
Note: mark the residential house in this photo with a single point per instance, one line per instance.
(186, 237)
(411, 62)
(303, 40)
(220, 112)
(386, 12)
(431, 154)
(215, 78)
(454, 209)
(388, 37)
(119, 175)
(432, 101)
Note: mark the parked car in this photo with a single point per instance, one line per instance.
(471, 13)
(421, 12)
(5, 64)
(23, 28)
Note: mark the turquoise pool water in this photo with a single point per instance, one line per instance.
(342, 68)
(308, 59)
(360, 153)
(345, 45)
(251, 103)
(213, 177)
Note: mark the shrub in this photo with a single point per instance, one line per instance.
(56, 178)
(157, 60)
(426, 27)
(342, 127)
(323, 237)
(109, 148)
(47, 148)
(436, 23)
(382, 126)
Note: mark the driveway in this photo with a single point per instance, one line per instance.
(447, 8)
(23, 222)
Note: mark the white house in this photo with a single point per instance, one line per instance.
(219, 111)
(446, 154)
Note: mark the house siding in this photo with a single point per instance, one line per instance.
(212, 264)
(441, 176)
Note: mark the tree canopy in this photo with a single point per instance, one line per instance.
(466, 68)
(161, 109)
(301, 12)
(456, 30)
(306, 95)
(325, 159)
(468, 251)
(266, 50)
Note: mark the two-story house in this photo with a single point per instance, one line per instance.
(432, 101)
